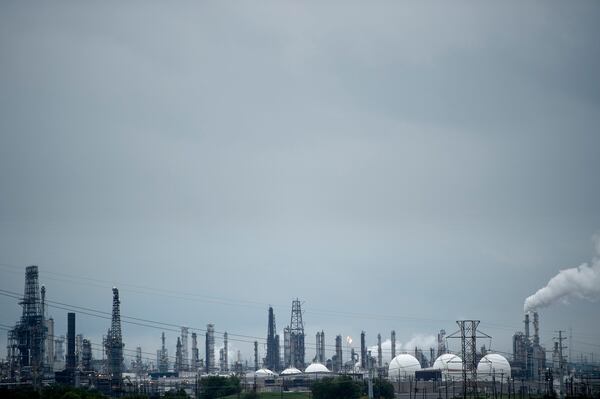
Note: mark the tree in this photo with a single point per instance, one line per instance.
(215, 386)
(381, 389)
(336, 388)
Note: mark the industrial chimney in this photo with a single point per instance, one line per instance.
(71, 357)
(536, 328)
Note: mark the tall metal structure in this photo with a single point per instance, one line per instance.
(393, 344)
(162, 362)
(379, 352)
(255, 355)
(225, 361)
(561, 363)
(86, 355)
(210, 349)
(468, 335)
(287, 347)
(320, 352)
(71, 356)
(195, 355)
(78, 349)
(273, 356)
(185, 358)
(114, 344)
(49, 347)
(441, 342)
(178, 357)
(363, 351)
(337, 360)
(26, 341)
(139, 365)
(297, 349)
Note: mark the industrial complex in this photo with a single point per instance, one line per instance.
(36, 356)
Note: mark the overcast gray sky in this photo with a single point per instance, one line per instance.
(409, 163)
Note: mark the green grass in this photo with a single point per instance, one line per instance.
(277, 395)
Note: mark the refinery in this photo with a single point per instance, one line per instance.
(38, 356)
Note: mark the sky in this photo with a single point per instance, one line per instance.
(396, 166)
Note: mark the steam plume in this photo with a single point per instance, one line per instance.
(579, 282)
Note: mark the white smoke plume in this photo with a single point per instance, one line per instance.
(421, 341)
(578, 282)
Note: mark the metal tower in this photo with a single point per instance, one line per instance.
(114, 344)
(272, 343)
(379, 352)
(86, 355)
(321, 347)
(26, 342)
(163, 357)
(297, 349)
(338, 364)
(287, 347)
(71, 356)
(178, 356)
(210, 349)
(195, 354)
(441, 343)
(225, 361)
(468, 335)
(363, 351)
(185, 359)
(255, 355)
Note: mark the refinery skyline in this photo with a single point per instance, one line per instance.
(148, 336)
(393, 168)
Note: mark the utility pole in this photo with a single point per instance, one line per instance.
(561, 362)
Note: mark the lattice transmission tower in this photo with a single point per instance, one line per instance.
(468, 335)
(114, 344)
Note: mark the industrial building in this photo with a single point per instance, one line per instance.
(37, 356)
(529, 357)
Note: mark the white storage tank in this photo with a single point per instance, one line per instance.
(403, 366)
(492, 365)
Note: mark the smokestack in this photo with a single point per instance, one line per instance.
(71, 358)
(393, 344)
(363, 351)
(255, 355)
(536, 328)
(338, 353)
(225, 352)
(195, 354)
(379, 352)
(526, 321)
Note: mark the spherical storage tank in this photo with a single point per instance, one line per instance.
(493, 365)
(450, 365)
(264, 373)
(316, 368)
(403, 366)
(291, 371)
